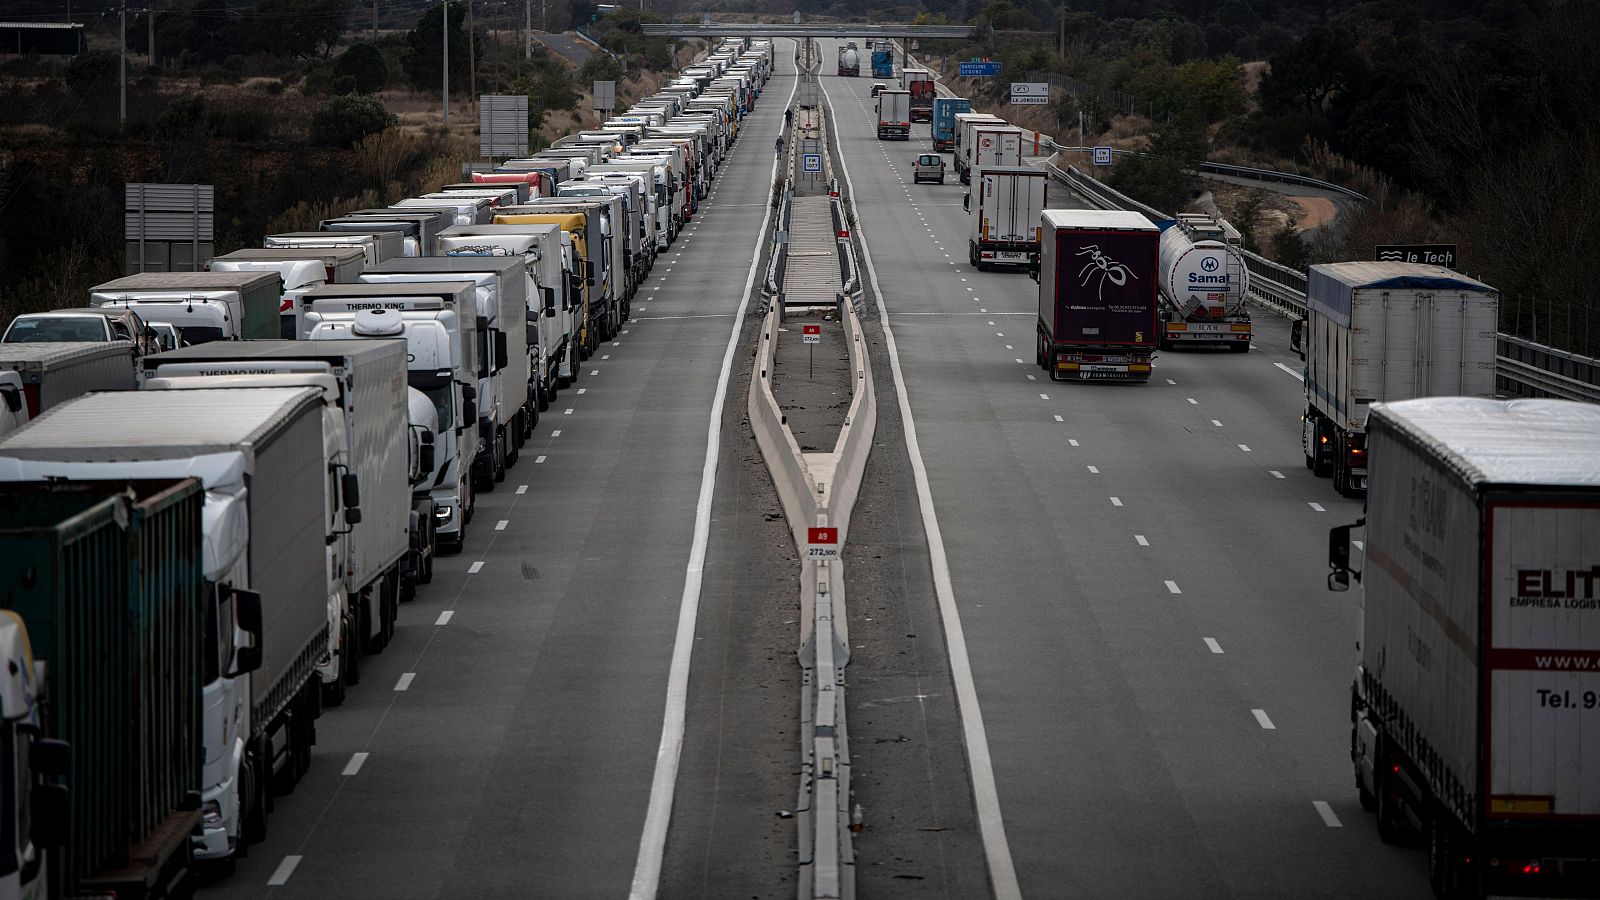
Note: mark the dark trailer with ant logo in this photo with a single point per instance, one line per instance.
(1097, 295)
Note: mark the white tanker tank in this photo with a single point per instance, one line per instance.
(1204, 283)
(849, 62)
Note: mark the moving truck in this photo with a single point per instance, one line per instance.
(49, 373)
(920, 85)
(894, 116)
(849, 62)
(1204, 284)
(204, 306)
(1477, 686)
(882, 60)
(942, 121)
(989, 145)
(502, 306)
(364, 385)
(106, 634)
(1097, 295)
(268, 515)
(439, 323)
(1003, 213)
(377, 245)
(551, 293)
(964, 123)
(1384, 331)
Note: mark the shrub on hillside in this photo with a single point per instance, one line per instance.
(341, 121)
(361, 69)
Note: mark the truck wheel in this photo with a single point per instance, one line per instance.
(351, 657)
(430, 546)
(1391, 818)
(544, 401)
(1038, 352)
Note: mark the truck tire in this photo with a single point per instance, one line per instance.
(1450, 876)
(544, 395)
(430, 547)
(500, 458)
(350, 659)
(1391, 818)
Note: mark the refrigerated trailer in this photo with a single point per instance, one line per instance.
(894, 116)
(1097, 295)
(1004, 211)
(1385, 331)
(1475, 710)
(49, 373)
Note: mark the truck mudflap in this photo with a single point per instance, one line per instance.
(1073, 365)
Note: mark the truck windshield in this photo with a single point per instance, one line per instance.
(442, 397)
(64, 328)
(201, 334)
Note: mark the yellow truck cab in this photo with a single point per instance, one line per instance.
(576, 225)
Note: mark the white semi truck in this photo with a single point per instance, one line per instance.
(1382, 331)
(1475, 710)
(273, 495)
(49, 373)
(1204, 285)
(438, 321)
(988, 145)
(203, 306)
(1004, 211)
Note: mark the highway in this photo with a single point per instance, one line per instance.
(1138, 571)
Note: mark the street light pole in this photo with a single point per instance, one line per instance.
(122, 65)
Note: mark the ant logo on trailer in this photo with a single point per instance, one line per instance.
(1103, 266)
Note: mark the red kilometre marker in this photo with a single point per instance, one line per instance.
(822, 535)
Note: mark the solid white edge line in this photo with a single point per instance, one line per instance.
(280, 875)
(986, 799)
(653, 841)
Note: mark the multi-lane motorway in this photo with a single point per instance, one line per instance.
(1137, 572)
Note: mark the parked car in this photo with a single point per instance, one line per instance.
(929, 167)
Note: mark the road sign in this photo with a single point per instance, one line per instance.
(822, 543)
(811, 334)
(605, 96)
(979, 69)
(811, 162)
(502, 125)
(1102, 156)
(1432, 254)
(1029, 92)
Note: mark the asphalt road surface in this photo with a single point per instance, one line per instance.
(1139, 573)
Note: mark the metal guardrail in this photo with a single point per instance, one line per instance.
(1524, 367)
(1251, 172)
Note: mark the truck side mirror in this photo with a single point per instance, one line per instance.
(50, 806)
(350, 487)
(247, 618)
(549, 302)
(469, 412)
(1297, 333)
(575, 279)
(1033, 272)
(425, 451)
(502, 356)
(966, 202)
(1339, 556)
(469, 393)
(13, 398)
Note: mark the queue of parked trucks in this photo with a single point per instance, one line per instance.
(218, 488)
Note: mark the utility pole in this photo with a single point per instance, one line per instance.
(527, 28)
(1061, 42)
(374, 21)
(122, 65)
(150, 45)
(445, 39)
(472, 59)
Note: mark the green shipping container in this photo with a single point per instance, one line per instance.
(108, 578)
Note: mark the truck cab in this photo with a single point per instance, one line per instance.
(204, 306)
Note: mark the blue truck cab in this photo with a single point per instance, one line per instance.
(944, 120)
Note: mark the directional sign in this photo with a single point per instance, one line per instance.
(1431, 254)
(1030, 92)
(1102, 156)
(822, 543)
(605, 96)
(811, 162)
(980, 69)
(811, 334)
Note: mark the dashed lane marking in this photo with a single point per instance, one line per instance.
(1214, 646)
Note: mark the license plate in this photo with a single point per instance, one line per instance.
(1010, 254)
(1204, 329)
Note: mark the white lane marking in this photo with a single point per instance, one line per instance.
(1019, 361)
(1192, 400)
(616, 343)
(444, 617)
(1074, 443)
(1297, 375)
(1358, 545)
(556, 433)
(1329, 817)
(1115, 501)
(1059, 419)
(357, 760)
(1009, 347)
(991, 323)
(501, 525)
(522, 489)
(607, 356)
(1031, 378)
(1244, 447)
(1094, 470)
(1172, 588)
(280, 875)
(1142, 540)
(624, 331)
(475, 568)
(996, 334)
(1275, 473)
(404, 684)
(1170, 381)
(1317, 507)
(991, 824)
(567, 411)
(1216, 423)
(1215, 647)
(583, 390)
(536, 459)
(595, 372)
(1044, 396)
(1261, 718)
(653, 840)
